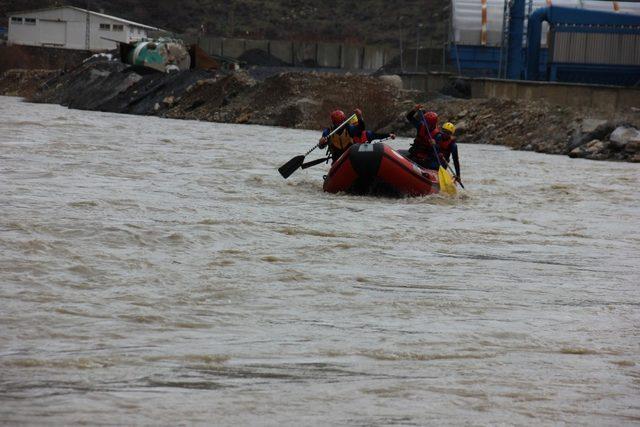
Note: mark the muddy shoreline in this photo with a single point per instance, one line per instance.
(303, 99)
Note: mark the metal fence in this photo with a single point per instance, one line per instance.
(329, 55)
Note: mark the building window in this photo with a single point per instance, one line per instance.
(30, 21)
(105, 27)
(16, 20)
(118, 27)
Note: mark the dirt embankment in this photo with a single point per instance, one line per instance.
(24, 83)
(304, 99)
(39, 58)
(293, 99)
(300, 100)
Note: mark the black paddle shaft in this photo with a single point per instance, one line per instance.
(292, 165)
(314, 162)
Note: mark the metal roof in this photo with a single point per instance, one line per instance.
(115, 18)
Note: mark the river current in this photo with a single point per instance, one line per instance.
(162, 272)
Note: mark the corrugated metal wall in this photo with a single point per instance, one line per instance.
(595, 48)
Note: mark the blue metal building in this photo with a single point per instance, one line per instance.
(556, 40)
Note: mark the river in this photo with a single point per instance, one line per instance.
(162, 272)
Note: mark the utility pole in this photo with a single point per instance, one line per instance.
(417, 43)
(400, 40)
(87, 36)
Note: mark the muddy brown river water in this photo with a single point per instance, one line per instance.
(161, 272)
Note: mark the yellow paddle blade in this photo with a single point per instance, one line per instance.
(447, 185)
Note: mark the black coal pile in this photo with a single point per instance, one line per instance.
(112, 86)
(261, 58)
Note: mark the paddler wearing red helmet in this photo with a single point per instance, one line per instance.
(422, 151)
(343, 139)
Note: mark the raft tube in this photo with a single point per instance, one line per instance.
(377, 169)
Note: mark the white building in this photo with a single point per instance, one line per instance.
(66, 27)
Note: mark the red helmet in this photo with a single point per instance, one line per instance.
(432, 119)
(337, 117)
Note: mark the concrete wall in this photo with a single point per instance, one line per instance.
(425, 82)
(329, 55)
(605, 99)
(351, 57)
(304, 53)
(257, 44)
(233, 47)
(211, 45)
(282, 50)
(373, 58)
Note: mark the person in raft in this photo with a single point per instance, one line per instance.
(367, 136)
(343, 139)
(447, 147)
(421, 151)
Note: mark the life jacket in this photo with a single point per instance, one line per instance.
(340, 140)
(362, 138)
(422, 148)
(445, 145)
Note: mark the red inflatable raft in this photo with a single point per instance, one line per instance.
(378, 169)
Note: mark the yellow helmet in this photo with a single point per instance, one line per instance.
(449, 127)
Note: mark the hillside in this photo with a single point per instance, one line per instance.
(364, 21)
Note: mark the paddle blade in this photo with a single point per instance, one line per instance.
(291, 166)
(447, 185)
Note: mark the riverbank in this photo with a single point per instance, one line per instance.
(24, 83)
(303, 99)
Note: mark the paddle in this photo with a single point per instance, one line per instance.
(292, 165)
(446, 184)
(457, 179)
(453, 173)
(314, 162)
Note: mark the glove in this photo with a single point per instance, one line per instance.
(323, 142)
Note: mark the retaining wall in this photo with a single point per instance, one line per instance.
(425, 82)
(596, 97)
(605, 99)
(329, 55)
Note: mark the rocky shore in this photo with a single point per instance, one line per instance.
(303, 100)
